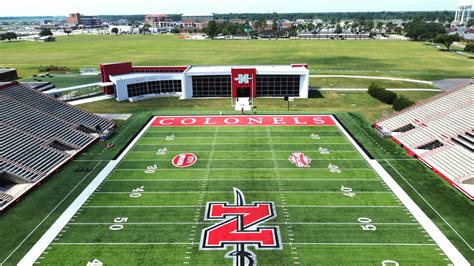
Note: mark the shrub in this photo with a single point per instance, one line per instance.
(55, 69)
(469, 48)
(381, 94)
(401, 103)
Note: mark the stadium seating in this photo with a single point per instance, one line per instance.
(39, 134)
(439, 131)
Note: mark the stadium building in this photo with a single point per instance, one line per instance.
(137, 83)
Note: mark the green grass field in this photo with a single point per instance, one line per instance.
(379, 58)
(319, 221)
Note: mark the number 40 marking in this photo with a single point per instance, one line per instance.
(347, 191)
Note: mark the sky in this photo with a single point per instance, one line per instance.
(128, 7)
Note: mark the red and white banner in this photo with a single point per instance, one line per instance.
(251, 120)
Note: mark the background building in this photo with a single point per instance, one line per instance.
(78, 19)
(161, 22)
(198, 21)
(463, 13)
(135, 83)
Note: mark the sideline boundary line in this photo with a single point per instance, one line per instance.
(35, 252)
(49, 214)
(440, 239)
(444, 220)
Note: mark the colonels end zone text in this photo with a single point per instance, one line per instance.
(251, 120)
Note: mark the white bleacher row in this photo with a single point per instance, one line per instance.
(450, 101)
(450, 125)
(44, 126)
(45, 103)
(455, 162)
(4, 198)
(22, 152)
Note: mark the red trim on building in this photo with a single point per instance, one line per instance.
(163, 69)
(8, 85)
(107, 70)
(300, 65)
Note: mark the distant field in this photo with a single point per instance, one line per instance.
(388, 58)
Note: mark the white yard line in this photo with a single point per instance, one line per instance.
(239, 179)
(247, 151)
(35, 252)
(203, 206)
(251, 159)
(246, 143)
(245, 168)
(441, 240)
(256, 192)
(190, 243)
(268, 223)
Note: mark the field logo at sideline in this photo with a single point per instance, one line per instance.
(299, 159)
(184, 160)
(239, 226)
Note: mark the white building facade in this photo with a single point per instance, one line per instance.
(138, 83)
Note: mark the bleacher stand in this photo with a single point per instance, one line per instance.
(440, 133)
(39, 134)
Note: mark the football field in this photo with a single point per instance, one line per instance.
(326, 204)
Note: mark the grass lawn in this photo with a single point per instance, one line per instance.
(330, 102)
(381, 58)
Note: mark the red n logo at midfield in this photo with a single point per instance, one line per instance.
(240, 227)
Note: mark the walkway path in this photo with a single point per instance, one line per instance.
(372, 77)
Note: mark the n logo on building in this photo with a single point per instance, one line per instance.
(243, 79)
(239, 226)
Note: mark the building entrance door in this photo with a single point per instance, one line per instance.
(243, 92)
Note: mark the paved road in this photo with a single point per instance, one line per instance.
(447, 84)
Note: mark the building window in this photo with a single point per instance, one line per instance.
(212, 86)
(278, 86)
(154, 87)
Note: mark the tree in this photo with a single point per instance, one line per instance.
(420, 30)
(274, 24)
(469, 48)
(381, 94)
(447, 40)
(470, 23)
(211, 29)
(9, 36)
(175, 31)
(67, 31)
(114, 30)
(401, 103)
(338, 29)
(45, 32)
(145, 29)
